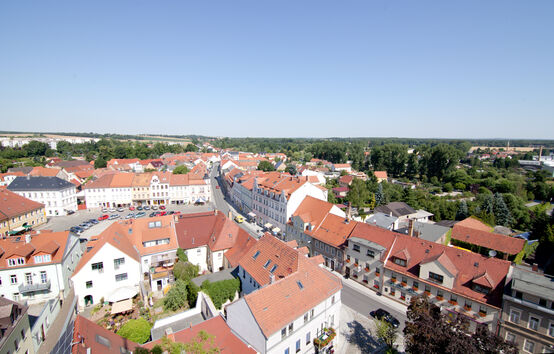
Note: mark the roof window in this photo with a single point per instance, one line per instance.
(256, 254)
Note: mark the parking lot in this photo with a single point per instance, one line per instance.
(62, 223)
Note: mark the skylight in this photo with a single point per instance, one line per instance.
(256, 254)
(273, 268)
(267, 263)
(299, 283)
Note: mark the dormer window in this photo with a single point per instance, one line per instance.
(14, 262)
(267, 263)
(481, 289)
(400, 262)
(43, 258)
(256, 254)
(437, 278)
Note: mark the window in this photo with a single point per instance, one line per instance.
(13, 279)
(273, 268)
(15, 296)
(12, 262)
(256, 254)
(415, 284)
(307, 338)
(551, 329)
(514, 316)
(267, 263)
(436, 277)
(400, 262)
(482, 311)
(370, 254)
(121, 277)
(534, 323)
(480, 289)
(291, 327)
(311, 314)
(453, 298)
(519, 295)
(88, 284)
(118, 262)
(529, 346)
(298, 345)
(283, 332)
(542, 302)
(510, 337)
(333, 299)
(287, 351)
(28, 278)
(356, 248)
(306, 317)
(43, 277)
(98, 266)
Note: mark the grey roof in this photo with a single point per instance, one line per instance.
(71, 163)
(177, 326)
(367, 243)
(425, 231)
(26, 169)
(447, 223)
(396, 208)
(382, 220)
(39, 183)
(533, 283)
(213, 277)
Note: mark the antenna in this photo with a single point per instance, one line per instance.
(492, 253)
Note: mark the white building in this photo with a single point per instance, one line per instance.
(287, 314)
(36, 268)
(276, 198)
(109, 270)
(57, 195)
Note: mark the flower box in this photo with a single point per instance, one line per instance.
(440, 298)
(403, 283)
(377, 273)
(426, 293)
(366, 269)
(452, 302)
(355, 276)
(482, 314)
(376, 286)
(467, 308)
(393, 280)
(392, 292)
(365, 281)
(415, 288)
(402, 297)
(325, 338)
(348, 261)
(355, 264)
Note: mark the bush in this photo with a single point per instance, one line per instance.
(182, 255)
(185, 271)
(136, 330)
(192, 293)
(221, 291)
(176, 297)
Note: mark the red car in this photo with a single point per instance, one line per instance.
(131, 208)
(163, 213)
(177, 212)
(216, 187)
(103, 217)
(162, 207)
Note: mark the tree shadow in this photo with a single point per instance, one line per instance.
(360, 336)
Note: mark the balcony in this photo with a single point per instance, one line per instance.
(29, 288)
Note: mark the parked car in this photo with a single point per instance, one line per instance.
(162, 207)
(139, 207)
(152, 214)
(171, 212)
(120, 210)
(162, 213)
(131, 208)
(70, 212)
(384, 315)
(154, 207)
(104, 210)
(146, 207)
(103, 217)
(85, 225)
(177, 212)
(113, 216)
(129, 216)
(76, 229)
(140, 215)
(112, 210)
(93, 221)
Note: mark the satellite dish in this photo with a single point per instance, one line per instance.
(492, 253)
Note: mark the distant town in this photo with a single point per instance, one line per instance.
(193, 244)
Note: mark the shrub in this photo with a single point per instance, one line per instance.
(192, 293)
(136, 330)
(176, 297)
(221, 291)
(181, 254)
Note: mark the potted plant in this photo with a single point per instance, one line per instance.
(377, 273)
(355, 276)
(414, 288)
(392, 292)
(482, 314)
(402, 297)
(348, 261)
(365, 281)
(453, 302)
(393, 280)
(366, 269)
(440, 298)
(426, 293)
(376, 286)
(467, 308)
(403, 283)
(324, 339)
(355, 264)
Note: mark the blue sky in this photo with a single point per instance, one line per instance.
(452, 69)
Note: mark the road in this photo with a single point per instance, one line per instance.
(224, 205)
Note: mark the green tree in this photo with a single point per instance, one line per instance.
(291, 168)
(412, 167)
(501, 211)
(358, 194)
(180, 170)
(176, 297)
(100, 162)
(463, 211)
(136, 330)
(386, 333)
(185, 271)
(266, 166)
(182, 255)
(221, 291)
(380, 196)
(192, 293)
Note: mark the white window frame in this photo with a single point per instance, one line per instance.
(518, 315)
(538, 323)
(525, 341)
(550, 329)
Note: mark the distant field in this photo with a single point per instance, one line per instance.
(166, 138)
(522, 149)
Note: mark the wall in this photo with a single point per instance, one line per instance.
(243, 324)
(198, 256)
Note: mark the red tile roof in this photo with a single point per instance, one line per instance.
(465, 267)
(45, 172)
(312, 210)
(223, 339)
(380, 174)
(475, 224)
(333, 231)
(87, 334)
(12, 205)
(374, 234)
(276, 305)
(275, 250)
(40, 243)
(490, 240)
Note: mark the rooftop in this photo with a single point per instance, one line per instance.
(39, 183)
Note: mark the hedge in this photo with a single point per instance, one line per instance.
(221, 291)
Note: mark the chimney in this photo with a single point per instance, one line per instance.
(271, 278)
(411, 227)
(28, 177)
(27, 238)
(349, 211)
(169, 334)
(535, 267)
(230, 215)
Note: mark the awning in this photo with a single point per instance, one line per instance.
(276, 230)
(16, 230)
(268, 226)
(123, 293)
(122, 306)
(200, 201)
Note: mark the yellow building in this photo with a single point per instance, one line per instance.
(18, 213)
